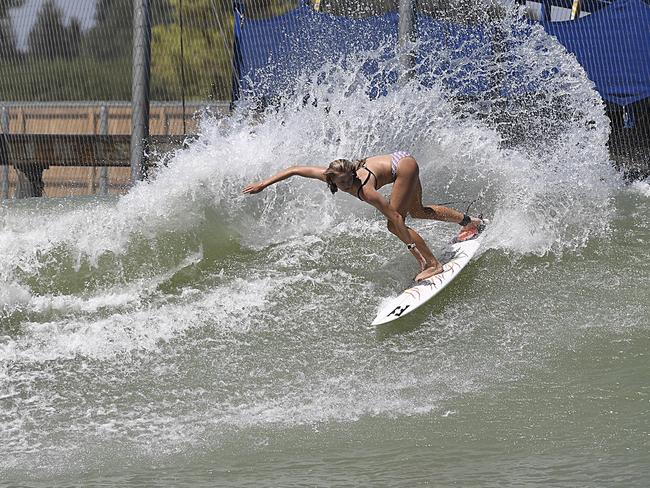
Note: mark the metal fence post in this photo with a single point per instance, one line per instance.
(576, 10)
(103, 131)
(407, 36)
(140, 87)
(5, 167)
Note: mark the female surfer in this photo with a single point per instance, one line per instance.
(362, 178)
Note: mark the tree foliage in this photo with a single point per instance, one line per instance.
(5, 5)
(50, 38)
(45, 80)
(111, 36)
(204, 67)
(7, 38)
(65, 63)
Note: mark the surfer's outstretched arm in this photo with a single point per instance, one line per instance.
(315, 172)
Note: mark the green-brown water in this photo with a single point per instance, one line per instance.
(528, 371)
(187, 335)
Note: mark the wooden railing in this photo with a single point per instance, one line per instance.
(60, 149)
(32, 154)
(165, 118)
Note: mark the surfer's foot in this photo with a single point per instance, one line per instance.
(471, 229)
(429, 272)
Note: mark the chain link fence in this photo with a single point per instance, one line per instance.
(66, 71)
(66, 75)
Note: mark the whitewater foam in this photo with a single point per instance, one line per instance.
(642, 187)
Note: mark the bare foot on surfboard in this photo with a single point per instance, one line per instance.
(429, 272)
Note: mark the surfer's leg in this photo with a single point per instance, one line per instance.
(400, 199)
(430, 259)
(433, 212)
(442, 213)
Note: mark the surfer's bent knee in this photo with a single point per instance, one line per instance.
(391, 227)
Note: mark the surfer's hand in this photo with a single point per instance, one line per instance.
(478, 221)
(476, 226)
(474, 222)
(254, 188)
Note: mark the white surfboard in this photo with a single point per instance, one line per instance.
(419, 294)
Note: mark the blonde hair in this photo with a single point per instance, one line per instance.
(341, 167)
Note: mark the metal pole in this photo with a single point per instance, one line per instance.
(103, 131)
(576, 9)
(140, 87)
(180, 18)
(407, 36)
(5, 167)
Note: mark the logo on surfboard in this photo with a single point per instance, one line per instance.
(398, 311)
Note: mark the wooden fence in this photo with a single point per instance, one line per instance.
(51, 161)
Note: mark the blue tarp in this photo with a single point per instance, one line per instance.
(613, 46)
(465, 48)
(270, 53)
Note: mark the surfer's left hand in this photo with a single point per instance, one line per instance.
(254, 188)
(475, 226)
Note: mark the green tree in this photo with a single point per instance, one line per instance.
(7, 38)
(112, 35)
(73, 38)
(206, 61)
(5, 5)
(50, 38)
